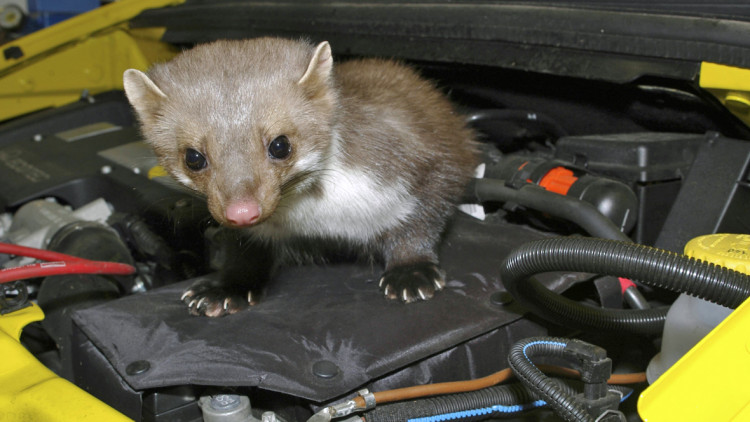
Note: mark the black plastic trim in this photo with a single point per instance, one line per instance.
(565, 40)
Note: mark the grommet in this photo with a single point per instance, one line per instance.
(325, 369)
(501, 298)
(138, 367)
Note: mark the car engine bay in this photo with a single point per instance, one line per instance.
(554, 255)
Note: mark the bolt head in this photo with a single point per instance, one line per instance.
(268, 417)
(225, 402)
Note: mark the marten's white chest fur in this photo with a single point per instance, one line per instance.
(350, 205)
(284, 144)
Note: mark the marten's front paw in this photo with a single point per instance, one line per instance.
(213, 299)
(412, 282)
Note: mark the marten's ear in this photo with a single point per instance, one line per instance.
(319, 69)
(143, 94)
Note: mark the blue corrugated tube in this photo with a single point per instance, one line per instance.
(475, 405)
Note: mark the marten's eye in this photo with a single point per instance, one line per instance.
(195, 160)
(280, 147)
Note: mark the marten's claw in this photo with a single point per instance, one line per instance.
(412, 282)
(214, 299)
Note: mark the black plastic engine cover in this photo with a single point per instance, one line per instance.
(323, 331)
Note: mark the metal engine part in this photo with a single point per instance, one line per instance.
(36, 222)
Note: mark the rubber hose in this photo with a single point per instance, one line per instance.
(582, 213)
(143, 238)
(651, 266)
(519, 359)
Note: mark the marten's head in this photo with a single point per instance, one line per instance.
(245, 123)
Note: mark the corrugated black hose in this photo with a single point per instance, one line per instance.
(651, 266)
(595, 369)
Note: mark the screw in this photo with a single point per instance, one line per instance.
(38, 137)
(138, 367)
(136, 170)
(325, 369)
(268, 417)
(225, 402)
(106, 169)
(138, 286)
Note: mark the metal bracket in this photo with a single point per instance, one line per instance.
(344, 409)
(13, 296)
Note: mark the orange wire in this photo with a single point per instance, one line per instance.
(479, 383)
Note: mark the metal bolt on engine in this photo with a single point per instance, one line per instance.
(268, 417)
(226, 408)
(225, 401)
(138, 286)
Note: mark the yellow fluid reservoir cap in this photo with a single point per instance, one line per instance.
(728, 250)
(709, 382)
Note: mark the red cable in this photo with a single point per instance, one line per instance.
(61, 264)
(43, 254)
